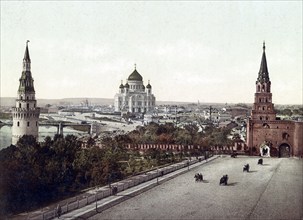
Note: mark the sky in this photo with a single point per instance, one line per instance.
(189, 50)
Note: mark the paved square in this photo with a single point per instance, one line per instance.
(273, 190)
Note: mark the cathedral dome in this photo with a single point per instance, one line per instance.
(135, 76)
(126, 85)
(121, 86)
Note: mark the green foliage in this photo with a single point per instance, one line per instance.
(38, 173)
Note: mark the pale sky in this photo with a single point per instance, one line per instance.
(190, 51)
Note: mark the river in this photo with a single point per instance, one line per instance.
(44, 131)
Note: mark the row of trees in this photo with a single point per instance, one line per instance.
(34, 174)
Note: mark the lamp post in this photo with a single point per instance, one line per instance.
(96, 200)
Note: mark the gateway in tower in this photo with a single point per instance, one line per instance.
(25, 113)
(134, 97)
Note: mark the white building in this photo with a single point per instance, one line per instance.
(134, 97)
(25, 113)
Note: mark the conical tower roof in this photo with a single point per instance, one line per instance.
(26, 54)
(263, 75)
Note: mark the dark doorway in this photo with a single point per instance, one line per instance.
(284, 150)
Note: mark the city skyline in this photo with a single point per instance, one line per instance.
(189, 51)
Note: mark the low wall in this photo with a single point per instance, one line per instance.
(103, 192)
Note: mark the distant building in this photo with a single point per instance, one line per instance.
(25, 113)
(134, 97)
(266, 134)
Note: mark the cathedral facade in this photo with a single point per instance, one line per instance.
(25, 113)
(133, 96)
(267, 135)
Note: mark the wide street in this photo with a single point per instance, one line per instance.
(273, 190)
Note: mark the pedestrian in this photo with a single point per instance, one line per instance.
(59, 211)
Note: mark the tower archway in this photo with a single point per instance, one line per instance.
(284, 150)
(265, 149)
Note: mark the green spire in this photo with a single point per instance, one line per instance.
(26, 80)
(263, 72)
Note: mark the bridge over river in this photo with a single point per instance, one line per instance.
(90, 127)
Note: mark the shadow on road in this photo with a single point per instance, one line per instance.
(205, 181)
(232, 184)
(252, 171)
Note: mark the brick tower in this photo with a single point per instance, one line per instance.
(263, 108)
(25, 113)
(267, 135)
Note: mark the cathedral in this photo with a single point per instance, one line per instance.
(133, 96)
(25, 113)
(267, 135)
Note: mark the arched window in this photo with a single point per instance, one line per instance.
(27, 105)
(18, 123)
(259, 88)
(28, 124)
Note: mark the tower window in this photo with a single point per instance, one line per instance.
(28, 124)
(26, 97)
(19, 105)
(36, 123)
(27, 105)
(18, 123)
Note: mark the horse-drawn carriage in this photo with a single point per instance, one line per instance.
(234, 154)
(223, 180)
(246, 168)
(198, 177)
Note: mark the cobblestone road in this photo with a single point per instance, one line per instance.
(271, 191)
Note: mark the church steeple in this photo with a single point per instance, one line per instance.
(263, 72)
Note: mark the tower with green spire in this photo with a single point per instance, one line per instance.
(25, 113)
(263, 108)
